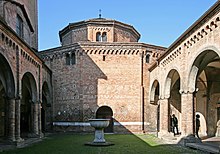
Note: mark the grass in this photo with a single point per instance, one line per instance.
(124, 144)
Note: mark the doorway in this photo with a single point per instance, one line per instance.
(105, 112)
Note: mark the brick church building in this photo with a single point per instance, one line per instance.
(102, 71)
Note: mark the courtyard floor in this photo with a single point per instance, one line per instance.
(124, 144)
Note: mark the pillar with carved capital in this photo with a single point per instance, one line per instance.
(164, 117)
(187, 113)
(35, 122)
(11, 119)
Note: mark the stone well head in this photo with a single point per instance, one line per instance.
(99, 123)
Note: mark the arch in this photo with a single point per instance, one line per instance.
(73, 58)
(204, 83)
(7, 91)
(98, 36)
(29, 82)
(7, 77)
(154, 93)
(105, 112)
(147, 58)
(171, 92)
(46, 97)
(204, 57)
(28, 101)
(104, 37)
(171, 79)
(67, 59)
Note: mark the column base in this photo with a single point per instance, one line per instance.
(19, 139)
(11, 139)
(41, 135)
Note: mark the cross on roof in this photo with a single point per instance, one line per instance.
(100, 13)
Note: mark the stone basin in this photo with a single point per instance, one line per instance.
(99, 123)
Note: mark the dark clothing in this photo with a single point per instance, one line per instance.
(174, 124)
(175, 121)
(197, 126)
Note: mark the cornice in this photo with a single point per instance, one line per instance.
(98, 22)
(193, 28)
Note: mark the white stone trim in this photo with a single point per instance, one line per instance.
(130, 123)
(59, 123)
(71, 123)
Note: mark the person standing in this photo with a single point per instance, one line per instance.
(197, 125)
(175, 125)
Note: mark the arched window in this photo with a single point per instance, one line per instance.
(73, 58)
(104, 37)
(98, 37)
(67, 59)
(19, 26)
(147, 58)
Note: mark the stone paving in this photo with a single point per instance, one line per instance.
(209, 145)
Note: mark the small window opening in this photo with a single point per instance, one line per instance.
(104, 57)
(98, 37)
(104, 37)
(73, 58)
(67, 59)
(147, 58)
(19, 26)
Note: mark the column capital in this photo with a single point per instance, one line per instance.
(38, 102)
(164, 97)
(18, 97)
(182, 92)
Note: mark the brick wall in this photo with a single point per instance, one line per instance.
(104, 75)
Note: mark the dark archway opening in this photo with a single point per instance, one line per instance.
(3, 112)
(44, 105)
(26, 114)
(172, 88)
(206, 82)
(43, 121)
(106, 112)
(7, 91)
(29, 95)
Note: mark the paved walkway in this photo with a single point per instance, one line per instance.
(209, 145)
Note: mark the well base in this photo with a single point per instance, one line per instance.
(99, 144)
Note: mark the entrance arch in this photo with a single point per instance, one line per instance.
(154, 98)
(7, 91)
(105, 112)
(44, 105)
(204, 81)
(171, 91)
(28, 104)
(154, 94)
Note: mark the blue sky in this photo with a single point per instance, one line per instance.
(160, 22)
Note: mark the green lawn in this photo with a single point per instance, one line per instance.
(124, 144)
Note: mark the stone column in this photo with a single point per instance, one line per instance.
(11, 119)
(17, 119)
(39, 120)
(164, 117)
(35, 119)
(187, 113)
